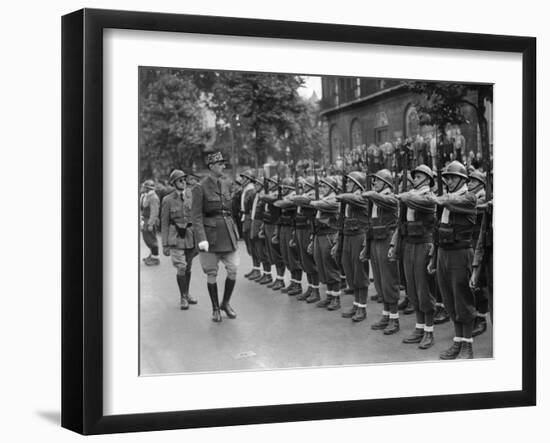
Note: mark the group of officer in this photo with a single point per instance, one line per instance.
(330, 228)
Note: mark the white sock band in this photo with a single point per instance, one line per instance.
(420, 326)
(468, 340)
(428, 328)
(394, 315)
(359, 305)
(457, 339)
(385, 313)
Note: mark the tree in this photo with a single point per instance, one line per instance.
(171, 125)
(444, 104)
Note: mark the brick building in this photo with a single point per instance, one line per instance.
(359, 111)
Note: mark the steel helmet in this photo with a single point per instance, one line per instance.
(385, 176)
(358, 178)
(455, 168)
(424, 169)
(479, 176)
(250, 174)
(331, 182)
(287, 183)
(175, 174)
(149, 184)
(308, 183)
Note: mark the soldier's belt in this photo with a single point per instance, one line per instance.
(217, 213)
(449, 235)
(381, 232)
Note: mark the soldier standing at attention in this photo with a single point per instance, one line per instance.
(246, 202)
(356, 223)
(418, 220)
(177, 235)
(216, 233)
(454, 259)
(150, 205)
(383, 224)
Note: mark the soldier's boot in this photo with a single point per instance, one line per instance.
(427, 340)
(348, 291)
(374, 297)
(266, 278)
(184, 302)
(296, 290)
(256, 275)
(466, 351)
(226, 307)
(382, 323)
(285, 289)
(314, 297)
(452, 352)
(248, 274)
(403, 304)
(349, 313)
(190, 298)
(305, 294)
(480, 326)
(325, 302)
(441, 316)
(409, 309)
(360, 314)
(393, 327)
(415, 337)
(271, 283)
(334, 303)
(279, 284)
(213, 293)
(151, 261)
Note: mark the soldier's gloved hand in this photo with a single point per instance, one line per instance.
(166, 251)
(474, 279)
(391, 253)
(431, 267)
(310, 248)
(203, 246)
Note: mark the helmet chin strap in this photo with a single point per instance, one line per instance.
(458, 186)
(421, 183)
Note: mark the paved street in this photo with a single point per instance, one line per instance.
(272, 330)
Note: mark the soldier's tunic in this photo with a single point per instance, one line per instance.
(150, 207)
(325, 237)
(305, 215)
(417, 235)
(177, 229)
(213, 222)
(258, 243)
(271, 216)
(383, 225)
(454, 261)
(290, 255)
(355, 227)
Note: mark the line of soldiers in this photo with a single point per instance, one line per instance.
(330, 227)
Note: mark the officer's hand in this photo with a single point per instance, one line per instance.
(474, 279)
(431, 267)
(203, 246)
(391, 253)
(166, 251)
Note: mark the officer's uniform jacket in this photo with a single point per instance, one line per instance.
(176, 225)
(211, 214)
(150, 206)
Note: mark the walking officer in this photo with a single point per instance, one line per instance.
(216, 233)
(417, 225)
(454, 258)
(178, 240)
(149, 204)
(383, 225)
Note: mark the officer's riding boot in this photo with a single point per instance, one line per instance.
(326, 301)
(192, 300)
(466, 351)
(315, 296)
(213, 292)
(226, 307)
(382, 323)
(452, 352)
(427, 340)
(361, 313)
(393, 326)
(480, 326)
(184, 302)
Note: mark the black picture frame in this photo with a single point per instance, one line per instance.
(82, 218)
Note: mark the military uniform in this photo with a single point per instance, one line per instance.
(150, 208)
(271, 215)
(258, 240)
(246, 202)
(216, 234)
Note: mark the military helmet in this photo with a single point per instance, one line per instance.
(331, 182)
(308, 183)
(455, 168)
(175, 174)
(358, 178)
(149, 184)
(479, 176)
(385, 176)
(250, 174)
(287, 183)
(424, 169)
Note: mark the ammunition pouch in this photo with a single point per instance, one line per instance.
(351, 224)
(415, 229)
(380, 232)
(449, 235)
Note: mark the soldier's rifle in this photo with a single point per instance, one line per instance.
(364, 162)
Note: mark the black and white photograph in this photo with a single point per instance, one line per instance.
(295, 221)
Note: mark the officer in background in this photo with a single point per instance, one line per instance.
(149, 204)
(383, 225)
(177, 235)
(454, 258)
(216, 233)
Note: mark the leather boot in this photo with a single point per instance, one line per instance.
(480, 326)
(360, 314)
(285, 289)
(381, 324)
(427, 340)
(324, 303)
(226, 307)
(266, 278)
(415, 337)
(248, 274)
(393, 327)
(452, 352)
(192, 300)
(279, 284)
(151, 261)
(348, 291)
(256, 275)
(271, 283)
(374, 297)
(184, 302)
(314, 296)
(466, 351)
(349, 313)
(306, 294)
(334, 303)
(441, 316)
(409, 309)
(213, 293)
(297, 289)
